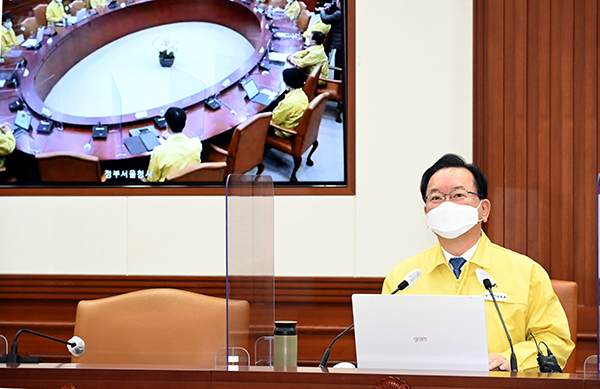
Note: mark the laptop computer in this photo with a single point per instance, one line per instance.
(264, 96)
(34, 42)
(420, 332)
(79, 16)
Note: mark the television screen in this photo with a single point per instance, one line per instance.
(174, 94)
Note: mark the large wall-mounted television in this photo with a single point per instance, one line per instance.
(87, 99)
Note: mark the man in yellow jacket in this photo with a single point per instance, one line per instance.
(313, 56)
(9, 39)
(289, 111)
(55, 12)
(177, 152)
(456, 205)
(7, 141)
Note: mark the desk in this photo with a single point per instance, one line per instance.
(74, 43)
(162, 376)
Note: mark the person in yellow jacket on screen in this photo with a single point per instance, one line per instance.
(313, 56)
(456, 205)
(7, 141)
(177, 152)
(55, 13)
(9, 39)
(289, 111)
(292, 10)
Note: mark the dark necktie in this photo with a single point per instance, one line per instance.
(457, 264)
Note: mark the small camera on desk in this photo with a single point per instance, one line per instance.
(212, 103)
(45, 126)
(15, 106)
(99, 132)
(160, 122)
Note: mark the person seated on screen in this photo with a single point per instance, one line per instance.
(7, 141)
(9, 39)
(55, 13)
(292, 9)
(313, 56)
(289, 111)
(177, 152)
(318, 26)
(456, 206)
(95, 4)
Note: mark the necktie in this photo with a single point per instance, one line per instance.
(457, 264)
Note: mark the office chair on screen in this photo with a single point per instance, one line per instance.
(303, 20)
(247, 146)
(28, 27)
(566, 291)
(310, 86)
(68, 167)
(335, 88)
(305, 134)
(159, 326)
(76, 6)
(200, 172)
(39, 11)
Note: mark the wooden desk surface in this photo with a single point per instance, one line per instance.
(161, 376)
(74, 43)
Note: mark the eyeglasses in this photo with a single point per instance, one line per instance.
(456, 196)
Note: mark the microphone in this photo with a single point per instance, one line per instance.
(487, 282)
(410, 279)
(75, 345)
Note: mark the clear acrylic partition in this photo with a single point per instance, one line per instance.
(591, 364)
(116, 130)
(250, 264)
(185, 89)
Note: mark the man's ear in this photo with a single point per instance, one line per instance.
(484, 210)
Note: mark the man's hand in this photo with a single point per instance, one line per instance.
(498, 362)
(6, 127)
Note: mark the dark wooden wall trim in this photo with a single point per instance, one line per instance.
(322, 307)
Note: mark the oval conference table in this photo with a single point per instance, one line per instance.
(73, 43)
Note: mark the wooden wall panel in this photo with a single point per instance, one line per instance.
(321, 306)
(536, 130)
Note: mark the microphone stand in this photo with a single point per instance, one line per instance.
(325, 357)
(14, 357)
(513, 358)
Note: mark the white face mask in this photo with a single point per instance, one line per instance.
(450, 220)
(8, 25)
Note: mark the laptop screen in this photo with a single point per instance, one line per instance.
(420, 332)
(40, 35)
(250, 88)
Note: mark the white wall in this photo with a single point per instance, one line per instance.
(413, 104)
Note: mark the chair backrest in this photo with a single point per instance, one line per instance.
(39, 11)
(76, 6)
(159, 326)
(68, 167)
(247, 145)
(28, 27)
(278, 3)
(303, 6)
(303, 20)
(310, 86)
(566, 291)
(308, 128)
(200, 172)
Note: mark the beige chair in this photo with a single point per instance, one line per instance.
(566, 291)
(68, 167)
(76, 6)
(310, 86)
(247, 146)
(304, 136)
(28, 27)
(39, 11)
(159, 326)
(200, 172)
(303, 20)
(335, 89)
